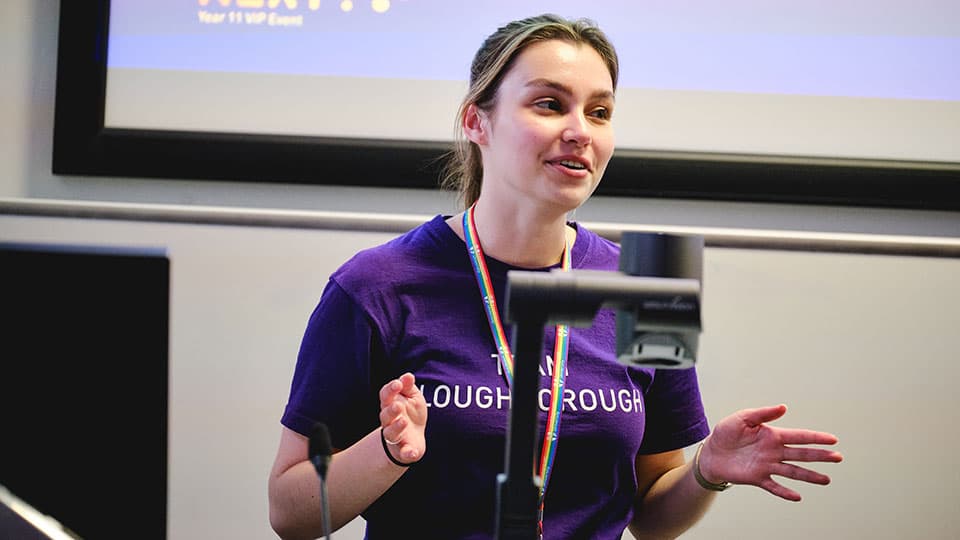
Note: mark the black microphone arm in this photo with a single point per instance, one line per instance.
(657, 297)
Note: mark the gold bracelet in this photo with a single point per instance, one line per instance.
(704, 483)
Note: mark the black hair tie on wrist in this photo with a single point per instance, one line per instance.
(386, 450)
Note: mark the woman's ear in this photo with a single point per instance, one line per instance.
(475, 125)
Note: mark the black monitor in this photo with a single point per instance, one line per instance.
(83, 385)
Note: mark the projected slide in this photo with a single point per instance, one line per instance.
(798, 77)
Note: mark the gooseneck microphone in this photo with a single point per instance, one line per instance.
(321, 452)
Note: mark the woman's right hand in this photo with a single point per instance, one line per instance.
(403, 417)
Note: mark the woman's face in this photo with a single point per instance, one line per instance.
(548, 138)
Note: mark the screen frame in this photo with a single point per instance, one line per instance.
(83, 146)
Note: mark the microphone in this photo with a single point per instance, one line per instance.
(320, 454)
(661, 333)
(321, 449)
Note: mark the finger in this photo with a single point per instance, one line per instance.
(779, 490)
(389, 390)
(393, 432)
(806, 436)
(390, 413)
(409, 453)
(812, 455)
(409, 383)
(795, 472)
(762, 415)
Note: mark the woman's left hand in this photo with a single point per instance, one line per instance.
(743, 449)
(403, 417)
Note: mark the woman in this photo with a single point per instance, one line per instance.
(413, 326)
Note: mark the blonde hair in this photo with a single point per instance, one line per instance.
(462, 169)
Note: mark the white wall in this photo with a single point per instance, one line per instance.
(864, 346)
(860, 345)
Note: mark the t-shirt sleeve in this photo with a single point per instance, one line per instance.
(675, 415)
(331, 382)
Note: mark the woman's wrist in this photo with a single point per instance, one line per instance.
(386, 449)
(701, 479)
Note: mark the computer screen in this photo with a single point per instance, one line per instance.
(84, 385)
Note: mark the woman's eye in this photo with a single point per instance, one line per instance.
(550, 104)
(602, 113)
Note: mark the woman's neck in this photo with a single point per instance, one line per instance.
(525, 239)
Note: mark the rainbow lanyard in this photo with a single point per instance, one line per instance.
(560, 348)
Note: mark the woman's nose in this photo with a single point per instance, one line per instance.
(577, 130)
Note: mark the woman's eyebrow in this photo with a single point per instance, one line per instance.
(560, 87)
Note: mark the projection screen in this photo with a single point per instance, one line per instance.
(869, 87)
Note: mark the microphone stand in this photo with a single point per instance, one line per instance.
(326, 507)
(320, 452)
(518, 493)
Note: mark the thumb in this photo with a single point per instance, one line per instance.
(762, 415)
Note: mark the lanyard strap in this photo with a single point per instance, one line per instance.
(560, 348)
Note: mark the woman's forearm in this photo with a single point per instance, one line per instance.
(673, 504)
(356, 477)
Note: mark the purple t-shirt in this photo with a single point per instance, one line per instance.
(413, 304)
